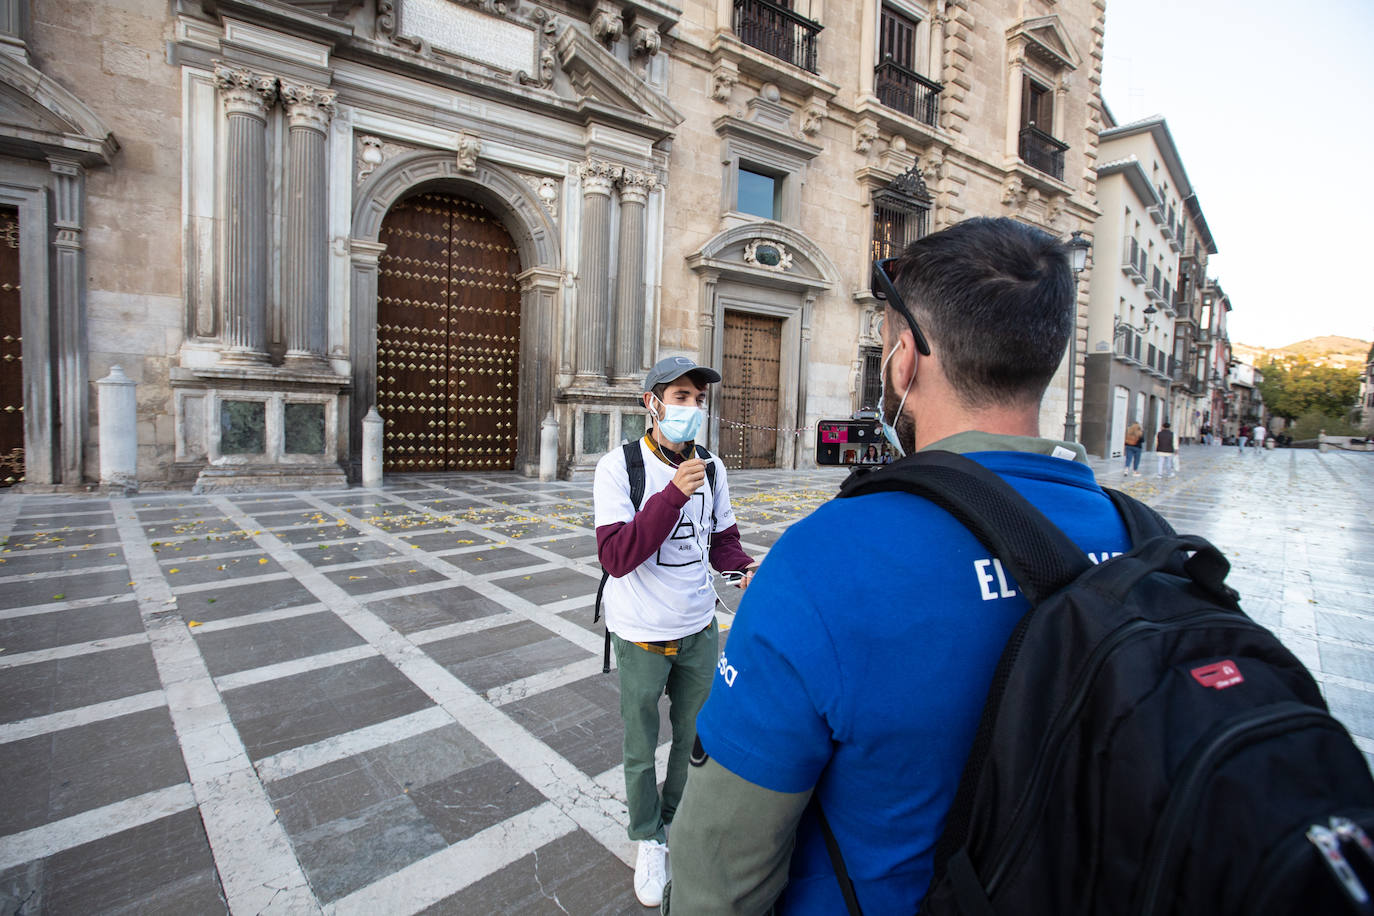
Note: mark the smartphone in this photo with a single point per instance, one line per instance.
(851, 442)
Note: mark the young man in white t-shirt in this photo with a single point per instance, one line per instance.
(659, 602)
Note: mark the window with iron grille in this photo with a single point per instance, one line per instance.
(901, 213)
(871, 381)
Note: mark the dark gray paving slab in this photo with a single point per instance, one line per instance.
(68, 538)
(330, 792)
(64, 521)
(271, 642)
(343, 855)
(580, 721)
(426, 610)
(368, 579)
(315, 534)
(198, 568)
(161, 867)
(1347, 661)
(574, 547)
(502, 654)
(209, 544)
(53, 776)
(551, 585)
(448, 539)
(199, 529)
(495, 559)
(254, 505)
(68, 683)
(572, 874)
(237, 600)
(473, 800)
(332, 554)
(74, 625)
(531, 529)
(309, 707)
(63, 563)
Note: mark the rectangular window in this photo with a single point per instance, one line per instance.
(872, 383)
(1037, 106)
(897, 39)
(758, 193)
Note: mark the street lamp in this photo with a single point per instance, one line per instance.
(1078, 259)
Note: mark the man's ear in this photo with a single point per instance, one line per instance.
(905, 361)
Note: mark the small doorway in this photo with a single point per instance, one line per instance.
(1120, 405)
(751, 372)
(11, 353)
(448, 337)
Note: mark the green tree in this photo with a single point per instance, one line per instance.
(1297, 387)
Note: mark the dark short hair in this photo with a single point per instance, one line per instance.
(996, 299)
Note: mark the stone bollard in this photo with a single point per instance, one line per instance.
(548, 447)
(118, 418)
(372, 449)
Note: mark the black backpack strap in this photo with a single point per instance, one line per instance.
(705, 456)
(851, 899)
(1142, 522)
(1039, 556)
(634, 466)
(634, 469)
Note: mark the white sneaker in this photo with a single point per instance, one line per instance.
(651, 872)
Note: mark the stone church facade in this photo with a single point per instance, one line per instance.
(483, 217)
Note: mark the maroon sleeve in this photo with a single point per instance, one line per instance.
(624, 545)
(726, 552)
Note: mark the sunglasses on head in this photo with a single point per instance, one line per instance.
(883, 289)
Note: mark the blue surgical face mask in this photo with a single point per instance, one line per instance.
(890, 431)
(680, 422)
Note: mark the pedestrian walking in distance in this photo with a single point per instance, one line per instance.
(662, 509)
(1134, 435)
(1259, 434)
(1164, 447)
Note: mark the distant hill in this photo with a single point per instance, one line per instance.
(1342, 352)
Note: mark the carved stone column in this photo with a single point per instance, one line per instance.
(591, 359)
(628, 329)
(69, 313)
(1015, 74)
(305, 266)
(247, 97)
(365, 257)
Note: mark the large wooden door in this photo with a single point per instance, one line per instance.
(11, 353)
(751, 361)
(448, 337)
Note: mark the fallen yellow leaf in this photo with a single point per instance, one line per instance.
(193, 623)
(262, 561)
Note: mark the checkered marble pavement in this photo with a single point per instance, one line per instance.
(357, 701)
(391, 701)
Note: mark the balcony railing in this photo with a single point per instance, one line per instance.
(908, 92)
(1042, 152)
(778, 31)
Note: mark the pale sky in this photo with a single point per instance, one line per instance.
(1270, 106)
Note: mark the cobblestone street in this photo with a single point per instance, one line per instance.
(391, 701)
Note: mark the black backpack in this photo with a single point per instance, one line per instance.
(1145, 747)
(634, 465)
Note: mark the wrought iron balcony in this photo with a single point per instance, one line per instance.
(778, 31)
(908, 92)
(1042, 152)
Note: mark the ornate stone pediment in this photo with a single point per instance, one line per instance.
(599, 77)
(769, 254)
(39, 118)
(1046, 38)
(506, 37)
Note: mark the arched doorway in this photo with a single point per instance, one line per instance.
(448, 337)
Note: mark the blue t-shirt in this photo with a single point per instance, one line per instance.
(861, 658)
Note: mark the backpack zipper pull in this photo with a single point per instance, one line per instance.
(1353, 837)
(1329, 846)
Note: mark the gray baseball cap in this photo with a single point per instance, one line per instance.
(675, 367)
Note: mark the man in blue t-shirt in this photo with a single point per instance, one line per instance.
(858, 665)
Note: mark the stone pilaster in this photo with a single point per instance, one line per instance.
(247, 97)
(69, 313)
(591, 358)
(628, 334)
(305, 267)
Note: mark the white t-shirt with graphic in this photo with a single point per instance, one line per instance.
(669, 595)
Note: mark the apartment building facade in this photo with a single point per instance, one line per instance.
(1140, 286)
(481, 218)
